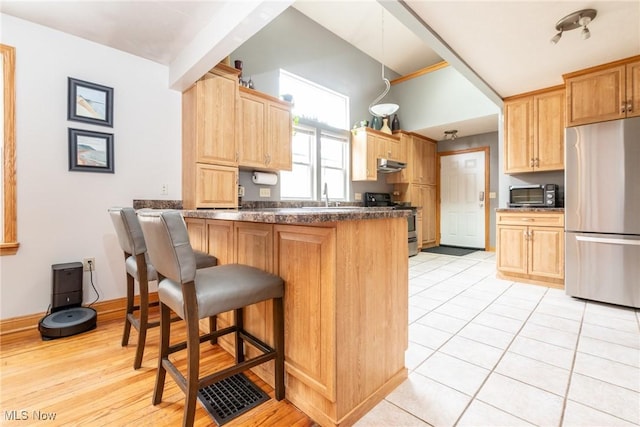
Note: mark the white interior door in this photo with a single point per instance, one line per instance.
(462, 191)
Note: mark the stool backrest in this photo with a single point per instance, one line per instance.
(168, 245)
(128, 230)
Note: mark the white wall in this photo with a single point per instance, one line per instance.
(62, 215)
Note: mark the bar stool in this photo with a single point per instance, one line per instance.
(204, 293)
(137, 266)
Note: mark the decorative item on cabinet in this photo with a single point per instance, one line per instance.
(395, 123)
(385, 126)
(376, 123)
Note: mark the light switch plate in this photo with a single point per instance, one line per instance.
(265, 192)
(492, 195)
(358, 196)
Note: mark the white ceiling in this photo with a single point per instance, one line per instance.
(506, 43)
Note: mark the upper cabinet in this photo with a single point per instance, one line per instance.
(211, 107)
(369, 145)
(607, 92)
(534, 131)
(419, 153)
(265, 129)
(209, 149)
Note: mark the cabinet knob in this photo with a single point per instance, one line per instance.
(623, 107)
(531, 162)
(629, 106)
(537, 162)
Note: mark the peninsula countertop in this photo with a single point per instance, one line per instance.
(300, 215)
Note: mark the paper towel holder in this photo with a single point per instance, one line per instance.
(264, 178)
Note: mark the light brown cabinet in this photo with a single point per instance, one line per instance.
(209, 151)
(607, 92)
(344, 345)
(369, 145)
(265, 130)
(534, 132)
(530, 246)
(417, 184)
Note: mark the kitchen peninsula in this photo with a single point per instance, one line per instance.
(346, 298)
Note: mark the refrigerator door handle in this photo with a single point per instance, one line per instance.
(606, 240)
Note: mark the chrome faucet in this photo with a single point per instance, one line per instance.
(325, 193)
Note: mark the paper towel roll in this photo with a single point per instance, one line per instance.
(265, 178)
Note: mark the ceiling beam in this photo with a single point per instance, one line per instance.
(401, 11)
(231, 27)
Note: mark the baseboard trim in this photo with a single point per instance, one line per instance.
(110, 309)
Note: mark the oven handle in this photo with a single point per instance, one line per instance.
(610, 241)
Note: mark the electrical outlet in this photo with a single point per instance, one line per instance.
(85, 264)
(265, 192)
(164, 189)
(358, 196)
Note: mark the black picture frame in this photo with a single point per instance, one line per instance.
(89, 103)
(90, 151)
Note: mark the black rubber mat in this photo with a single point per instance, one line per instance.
(450, 250)
(231, 397)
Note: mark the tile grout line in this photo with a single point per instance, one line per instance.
(475, 395)
(573, 364)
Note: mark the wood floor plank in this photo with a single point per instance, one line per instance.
(88, 380)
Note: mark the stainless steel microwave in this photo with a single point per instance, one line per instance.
(534, 196)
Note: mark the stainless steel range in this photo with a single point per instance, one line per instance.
(385, 200)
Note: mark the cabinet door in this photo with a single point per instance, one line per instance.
(395, 151)
(197, 230)
(216, 120)
(546, 252)
(633, 89)
(305, 259)
(216, 186)
(418, 175)
(511, 254)
(429, 162)
(548, 130)
(254, 247)
(252, 142)
(429, 215)
(279, 137)
(596, 97)
(518, 135)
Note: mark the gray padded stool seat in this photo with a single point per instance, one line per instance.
(204, 293)
(138, 268)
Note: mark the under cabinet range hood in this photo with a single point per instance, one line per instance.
(390, 166)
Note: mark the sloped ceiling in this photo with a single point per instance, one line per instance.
(505, 43)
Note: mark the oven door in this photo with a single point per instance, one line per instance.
(411, 223)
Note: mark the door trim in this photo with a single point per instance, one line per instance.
(440, 154)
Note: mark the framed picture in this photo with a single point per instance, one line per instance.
(90, 151)
(90, 103)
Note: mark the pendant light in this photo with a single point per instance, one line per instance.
(383, 110)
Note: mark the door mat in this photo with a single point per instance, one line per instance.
(231, 397)
(450, 250)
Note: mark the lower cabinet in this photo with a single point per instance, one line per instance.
(530, 246)
(345, 304)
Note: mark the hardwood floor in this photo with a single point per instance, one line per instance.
(89, 380)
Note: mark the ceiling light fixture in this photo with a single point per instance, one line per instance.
(578, 19)
(451, 134)
(383, 110)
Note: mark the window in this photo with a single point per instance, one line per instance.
(320, 145)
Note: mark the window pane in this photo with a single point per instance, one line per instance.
(297, 183)
(315, 102)
(335, 179)
(332, 152)
(301, 145)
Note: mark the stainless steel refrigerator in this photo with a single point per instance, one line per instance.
(602, 212)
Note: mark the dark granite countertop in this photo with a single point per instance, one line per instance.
(540, 210)
(302, 215)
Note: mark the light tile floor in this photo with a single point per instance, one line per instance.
(490, 352)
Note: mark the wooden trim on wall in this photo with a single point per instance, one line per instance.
(487, 175)
(429, 69)
(601, 67)
(534, 92)
(9, 243)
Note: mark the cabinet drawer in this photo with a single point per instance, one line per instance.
(530, 218)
